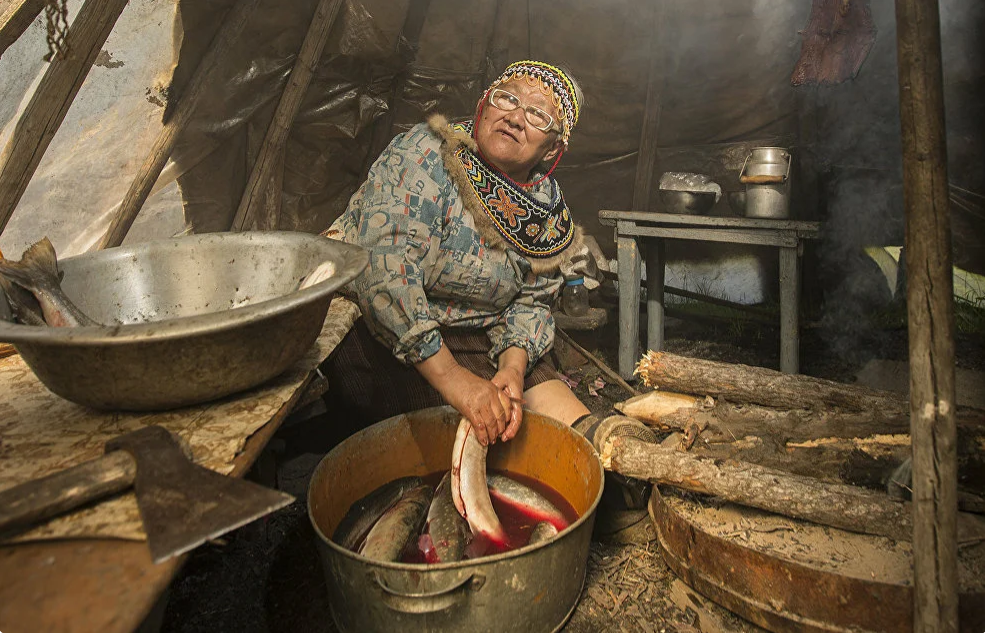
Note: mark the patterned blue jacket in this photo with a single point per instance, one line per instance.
(432, 264)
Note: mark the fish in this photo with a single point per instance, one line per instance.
(37, 273)
(365, 512)
(526, 500)
(446, 532)
(470, 492)
(542, 532)
(23, 306)
(398, 526)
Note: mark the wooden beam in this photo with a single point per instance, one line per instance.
(15, 17)
(51, 100)
(647, 157)
(264, 170)
(930, 315)
(150, 171)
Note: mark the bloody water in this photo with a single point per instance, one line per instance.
(516, 522)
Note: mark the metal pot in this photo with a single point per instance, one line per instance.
(766, 175)
(197, 317)
(534, 588)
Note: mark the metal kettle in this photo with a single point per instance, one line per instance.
(766, 175)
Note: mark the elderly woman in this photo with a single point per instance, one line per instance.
(467, 230)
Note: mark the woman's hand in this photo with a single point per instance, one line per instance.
(485, 404)
(509, 378)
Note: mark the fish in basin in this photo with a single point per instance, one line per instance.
(469, 489)
(34, 292)
(399, 526)
(365, 512)
(526, 500)
(446, 533)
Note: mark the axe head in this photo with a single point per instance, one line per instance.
(182, 504)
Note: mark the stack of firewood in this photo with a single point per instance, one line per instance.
(716, 407)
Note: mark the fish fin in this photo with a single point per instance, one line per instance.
(24, 307)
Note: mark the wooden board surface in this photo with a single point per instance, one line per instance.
(43, 433)
(808, 229)
(111, 585)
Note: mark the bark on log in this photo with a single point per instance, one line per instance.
(845, 507)
(263, 179)
(734, 421)
(758, 385)
(52, 99)
(150, 171)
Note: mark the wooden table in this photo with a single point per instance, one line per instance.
(111, 585)
(641, 235)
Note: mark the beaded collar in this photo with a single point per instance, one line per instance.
(534, 228)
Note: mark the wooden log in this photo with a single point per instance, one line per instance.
(837, 505)
(930, 314)
(265, 168)
(653, 406)
(732, 420)
(758, 385)
(51, 100)
(15, 17)
(150, 171)
(6, 349)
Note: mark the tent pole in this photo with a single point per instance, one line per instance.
(15, 17)
(930, 314)
(272, 151)
(229, 32)
(52, 99)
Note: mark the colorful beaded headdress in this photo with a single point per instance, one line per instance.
(555, 79)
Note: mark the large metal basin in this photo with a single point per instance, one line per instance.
(196, 317)
(531, 589)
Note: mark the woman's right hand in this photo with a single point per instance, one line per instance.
(485, 405)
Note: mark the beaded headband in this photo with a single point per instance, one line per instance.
(554, 79)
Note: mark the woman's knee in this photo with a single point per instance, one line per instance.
(555, 399)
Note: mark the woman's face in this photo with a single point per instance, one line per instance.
(509, 141)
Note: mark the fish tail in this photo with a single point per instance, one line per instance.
(38, 265)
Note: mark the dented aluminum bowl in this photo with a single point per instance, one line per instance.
(188, 319)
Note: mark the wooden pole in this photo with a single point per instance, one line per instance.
(596, 361)
(150, 171)
(930, 316)
(264, 170)
(15, 17)
(51, 100)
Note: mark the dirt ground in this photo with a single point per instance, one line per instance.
(267, 576)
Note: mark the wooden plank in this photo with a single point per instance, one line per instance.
(15, 17)
(52, 99)
(804, 228)
(655, 274)
(150, 171)
(770, 237)
(628, 257)
(930, 314)
(265, 168)
(789, 310)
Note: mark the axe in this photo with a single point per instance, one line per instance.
(182, 504)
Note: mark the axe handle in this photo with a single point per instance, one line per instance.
(34, 501)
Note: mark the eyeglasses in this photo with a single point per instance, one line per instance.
(507, 101)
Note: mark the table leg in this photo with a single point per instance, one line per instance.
(789, 310)
(628, 255)
(655, 294)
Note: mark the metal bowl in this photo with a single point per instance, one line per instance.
(189, 319)
(687, 202)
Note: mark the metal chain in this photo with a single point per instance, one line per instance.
(56, 22)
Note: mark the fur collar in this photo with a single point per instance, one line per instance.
(451, 140)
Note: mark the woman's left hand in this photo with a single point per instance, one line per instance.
(509, 378)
